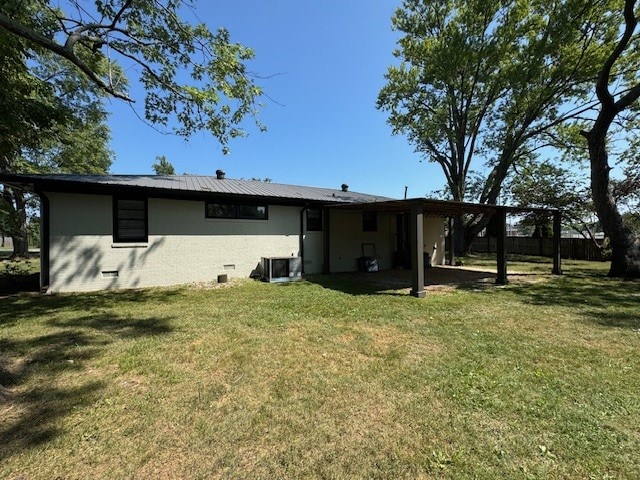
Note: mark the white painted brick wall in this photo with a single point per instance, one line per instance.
(186, 247)
(183, 245)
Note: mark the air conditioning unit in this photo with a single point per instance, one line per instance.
(281, 269)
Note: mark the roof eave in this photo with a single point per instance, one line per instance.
(28, 183)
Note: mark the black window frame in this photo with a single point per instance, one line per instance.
(369, 222)
(316, 224)
(117, 237)
(236, 208)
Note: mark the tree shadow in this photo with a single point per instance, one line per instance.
(19, 275)
(616, 320)
(16, 308)
(42, 407)
(10, 284)
(596, 297)
(33, 368)
(398, 282)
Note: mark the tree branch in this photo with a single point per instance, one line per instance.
(602, 84)
(117, 16)
(39, 39)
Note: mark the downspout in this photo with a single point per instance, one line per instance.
(45, 243)
(301, 238)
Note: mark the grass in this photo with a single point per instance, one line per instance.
(324, 379)
(533, 264)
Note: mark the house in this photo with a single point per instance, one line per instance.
(122, 231)
(125, 231)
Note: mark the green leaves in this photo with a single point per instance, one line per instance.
(485, 79)
(194, 78)
(163, 166)
(481, 85)
(52, 117)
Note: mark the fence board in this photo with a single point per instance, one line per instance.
(574, 248)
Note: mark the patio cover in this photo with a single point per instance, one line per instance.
(418, 208)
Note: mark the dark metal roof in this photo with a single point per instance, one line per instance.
(175, 185)
(198, 186)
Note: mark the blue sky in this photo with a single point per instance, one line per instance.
(328, 61)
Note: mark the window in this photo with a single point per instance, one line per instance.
(130, 220)
(314, 220)
(369, 222)
(233, 210)
(258, 212)
(221, 210)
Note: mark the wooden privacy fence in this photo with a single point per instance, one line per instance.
(574, 248)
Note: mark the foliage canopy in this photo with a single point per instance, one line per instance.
(489, 81)
(194, 79)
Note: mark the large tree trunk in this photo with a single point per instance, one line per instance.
(17, 204)
(20, 235)
(20, 247)
(490, 193)
(459, 236)
(625, 249)
(477, 223)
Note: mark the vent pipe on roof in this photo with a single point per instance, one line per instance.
(345, 187)
(220, 174)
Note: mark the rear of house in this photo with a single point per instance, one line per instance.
(101, 232)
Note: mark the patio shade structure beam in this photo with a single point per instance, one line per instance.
(557, 234)
(501, 245)
(416, 221)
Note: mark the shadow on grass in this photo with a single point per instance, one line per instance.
(34, 367)
(617, 320)
(19, 274)
(602, 300)
(358, 283)
(21, 307)
(398, 282)
(10, 284)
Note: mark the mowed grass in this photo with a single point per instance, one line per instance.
(325, 379)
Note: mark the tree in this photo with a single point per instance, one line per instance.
(547, 185)
(194, 79)
(51, 120)
(488, 81)
(163, 166)
(621, 67)
(75, 147)
(55, 64)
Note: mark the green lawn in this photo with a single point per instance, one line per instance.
(325, 379)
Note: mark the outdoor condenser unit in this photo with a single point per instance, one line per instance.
(281, 269)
